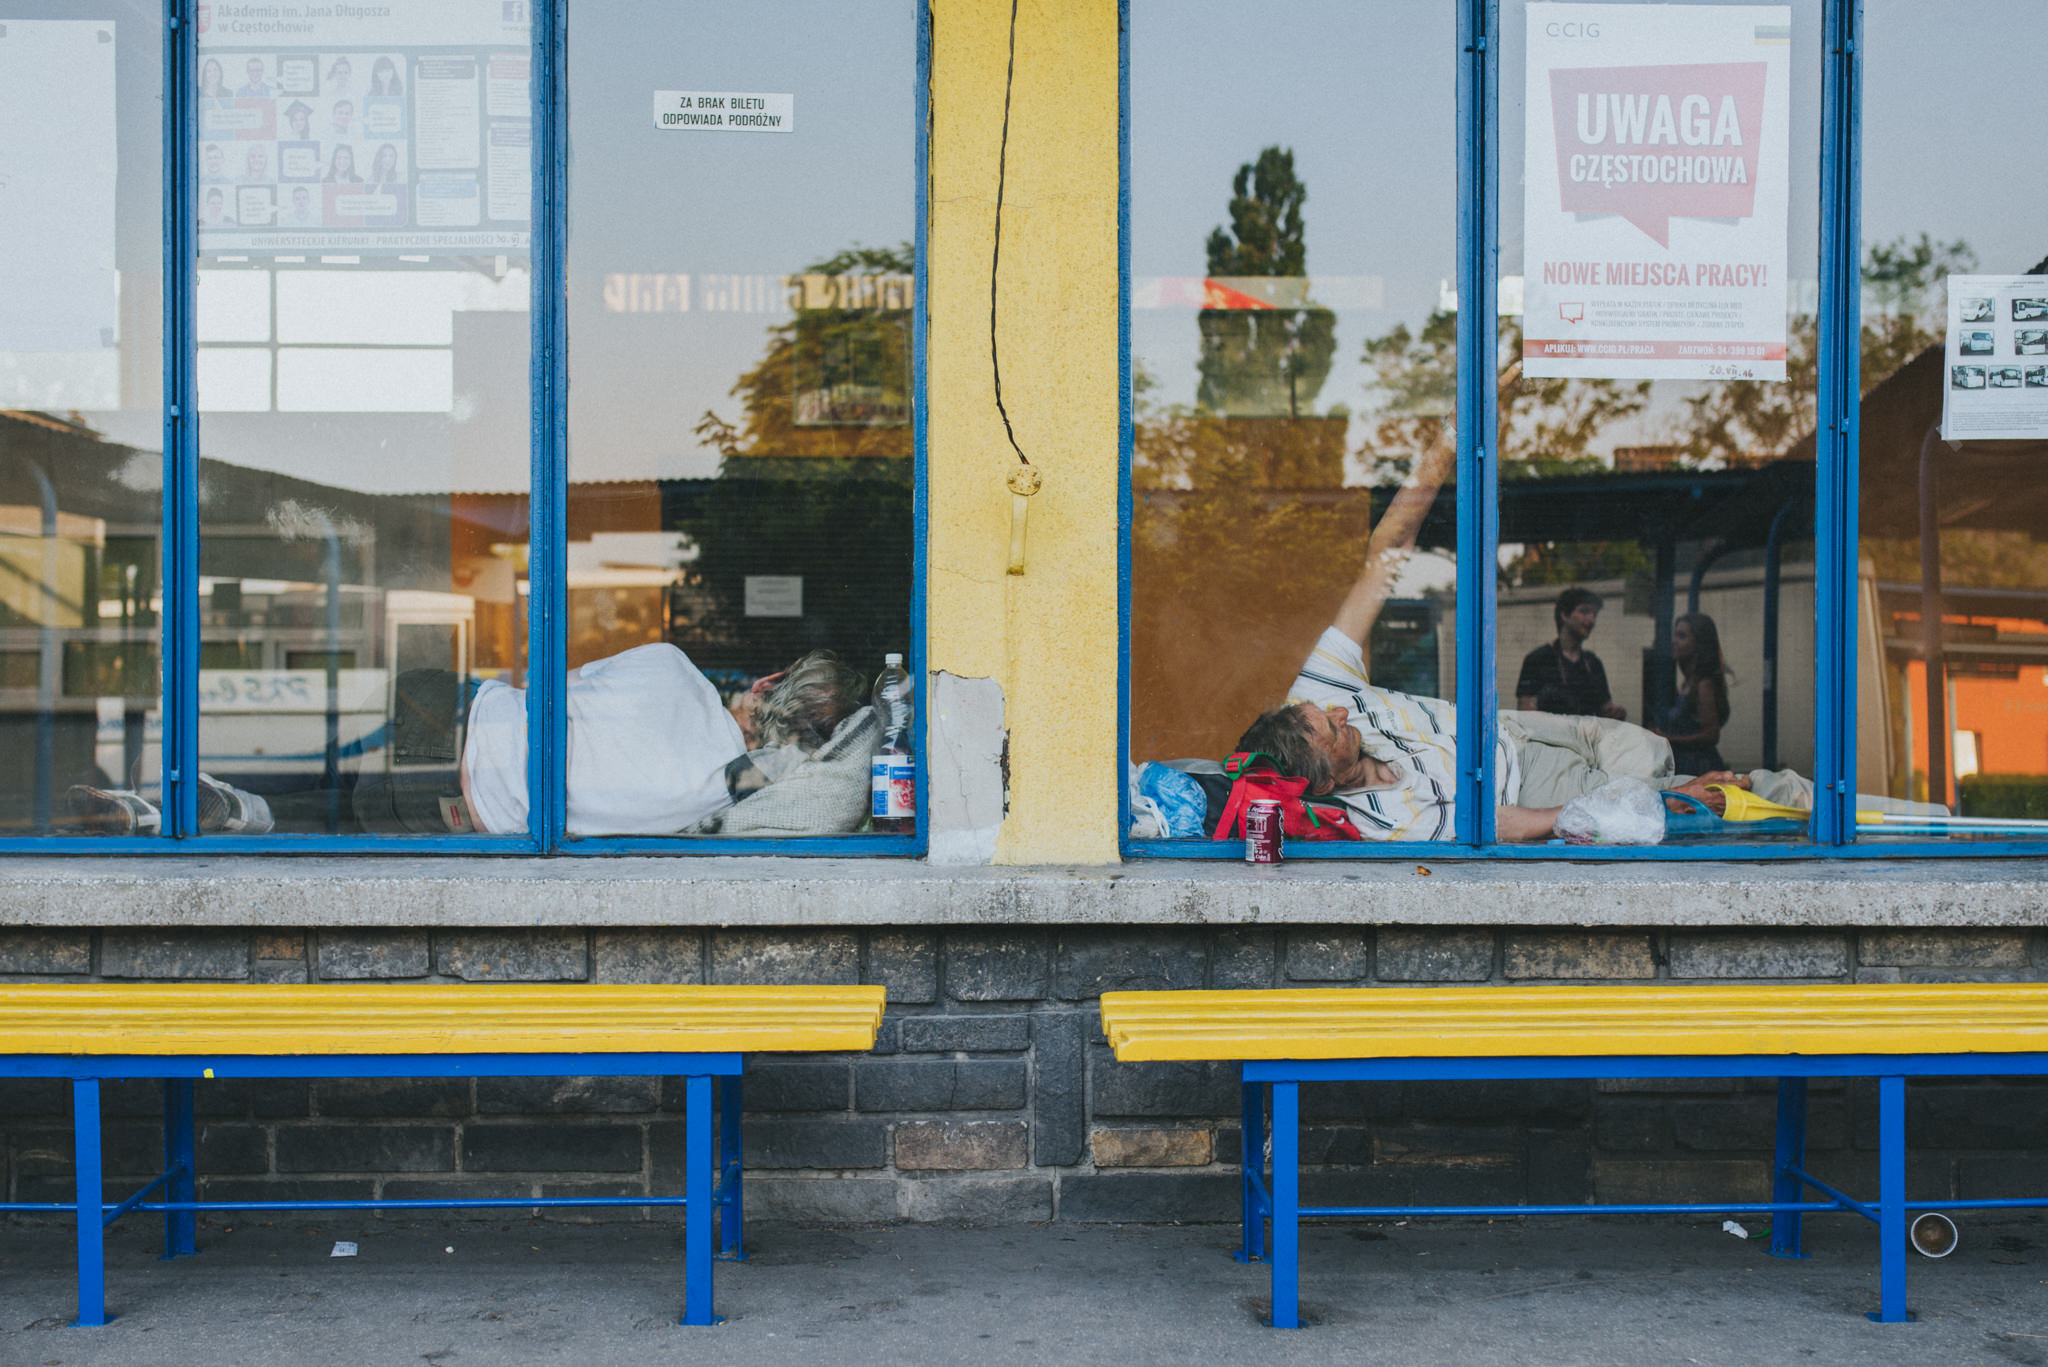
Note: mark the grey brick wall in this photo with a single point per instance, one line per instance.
(991, 1094)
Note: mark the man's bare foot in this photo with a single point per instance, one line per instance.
(1697, 788)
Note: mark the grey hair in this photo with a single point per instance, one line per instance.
(810, 700)
(1283, 733)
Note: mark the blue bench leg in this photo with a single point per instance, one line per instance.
(698, 1156)
(85, 1144)
(1251, 1167)
(1786, 1186)
(1891, 1201)
(1286, 1205)
(730, 1167)
(181, 1159)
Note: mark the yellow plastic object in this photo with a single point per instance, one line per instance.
(1743, 805)
(215, 1018)
(1488, 1022)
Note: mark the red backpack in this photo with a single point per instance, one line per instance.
(1258, 778)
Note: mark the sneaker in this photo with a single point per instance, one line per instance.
(113, 811)
(227, 810)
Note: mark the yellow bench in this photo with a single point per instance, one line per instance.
(183, 1033)
(1891, 1032)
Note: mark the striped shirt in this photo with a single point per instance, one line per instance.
(1417, 736)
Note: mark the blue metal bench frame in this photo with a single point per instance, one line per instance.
(1278, 1196)
(711, 1154)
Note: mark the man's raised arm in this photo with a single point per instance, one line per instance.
(1388, 548)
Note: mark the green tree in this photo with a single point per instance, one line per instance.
(1904, 313)
(1264, 362)
(828, 502)
(1548, 427)
(806, 350)
(1905, 304)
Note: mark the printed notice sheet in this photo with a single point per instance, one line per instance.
(365, 128)
(719, 111)
(1655, 191)
(1997, 359)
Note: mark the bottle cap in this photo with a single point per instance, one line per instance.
(892, 659)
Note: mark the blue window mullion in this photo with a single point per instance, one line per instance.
(547, 553)
(178, 570)
(1124, 502)
(1478, 511)
(1835, 503)
(920, 494)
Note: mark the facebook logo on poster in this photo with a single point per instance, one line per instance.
(515, 11)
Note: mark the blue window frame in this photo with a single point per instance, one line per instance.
(185, 645)
(1837, 403)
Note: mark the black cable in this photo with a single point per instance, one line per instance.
(996, 259)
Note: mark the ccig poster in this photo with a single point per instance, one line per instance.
(1655, 191)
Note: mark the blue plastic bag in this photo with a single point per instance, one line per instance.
(1173, 796)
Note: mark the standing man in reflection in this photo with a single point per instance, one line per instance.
(1564, 676)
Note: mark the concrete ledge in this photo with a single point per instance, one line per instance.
(426, 891)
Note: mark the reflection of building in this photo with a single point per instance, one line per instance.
(296, 576)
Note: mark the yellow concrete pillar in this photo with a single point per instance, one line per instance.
(1048, 636)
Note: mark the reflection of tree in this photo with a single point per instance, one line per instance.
(1906, 281)
(1548, 427)
(1243, 537)
(1906, 312)
(767, 391)
(1264, 362)
(1742, 421)
(823, 502)
(1243, 541)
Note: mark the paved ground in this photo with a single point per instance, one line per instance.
(1503, 1295)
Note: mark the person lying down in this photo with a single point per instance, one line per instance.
(653, 750)
(1391, 758)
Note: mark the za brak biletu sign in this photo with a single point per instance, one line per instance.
(1655, 191)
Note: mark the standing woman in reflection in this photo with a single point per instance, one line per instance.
(1693, 722)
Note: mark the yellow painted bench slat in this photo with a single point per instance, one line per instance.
(273, 1019)
(1471, 1022)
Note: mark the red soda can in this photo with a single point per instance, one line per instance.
(1263, 832)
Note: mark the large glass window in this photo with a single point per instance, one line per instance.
(1952, 626)
(1657, 382)
(741, 288)
(1293, 359)
(81, 422)
(364, 194)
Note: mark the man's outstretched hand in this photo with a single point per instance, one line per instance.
(1716, 802)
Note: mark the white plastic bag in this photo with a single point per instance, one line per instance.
(1623, 812)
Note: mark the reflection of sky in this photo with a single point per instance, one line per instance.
(642, 200)
(647, 200)
(1364, 95)
(1368, 107)
(1951, 102)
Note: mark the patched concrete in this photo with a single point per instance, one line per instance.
(964, 768)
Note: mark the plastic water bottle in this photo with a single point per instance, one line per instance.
(892, 778)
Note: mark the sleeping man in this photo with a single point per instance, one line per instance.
(652, 748)
(1391, 757)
